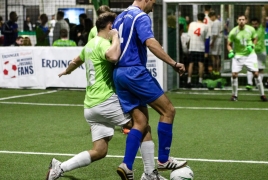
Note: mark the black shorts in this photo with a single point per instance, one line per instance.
(196, 57)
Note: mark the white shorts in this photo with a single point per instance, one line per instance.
(261, 60)
(217, 48)
(104, 117)
(249, 61)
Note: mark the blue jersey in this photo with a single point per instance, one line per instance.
(134, 27)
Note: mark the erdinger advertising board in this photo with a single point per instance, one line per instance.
(38, 67)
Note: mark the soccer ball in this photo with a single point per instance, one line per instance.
(10, 69)
(184, 173)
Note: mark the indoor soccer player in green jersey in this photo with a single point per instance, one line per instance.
(244, 38)
(260, 49)
(102, 109)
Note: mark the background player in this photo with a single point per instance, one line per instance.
(244, 38)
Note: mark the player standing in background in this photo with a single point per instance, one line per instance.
(102, 109)
(93, 32)
(260, 48)
(244, 38)
(136, 87)
(215, 43)
(198, 33)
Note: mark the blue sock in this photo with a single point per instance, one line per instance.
(133, 142)
(164, 141)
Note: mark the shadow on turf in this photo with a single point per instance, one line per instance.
(70, 177)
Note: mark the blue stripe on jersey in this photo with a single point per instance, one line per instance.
(134, 27)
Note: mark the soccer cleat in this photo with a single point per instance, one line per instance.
(249, 87)
(125, 130)
(263, 98)
(234, 98)
(171, 164)
(124, 172)
(153, 176)
(54, 171)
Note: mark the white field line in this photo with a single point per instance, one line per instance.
(139, 157)
(177, 107)
(26, 95)
(216, 93)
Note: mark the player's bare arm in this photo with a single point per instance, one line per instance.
(157, 50)
(76, 62)
(113, 53)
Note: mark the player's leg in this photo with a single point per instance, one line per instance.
(190, 69)
(249, 79)
(252, 65)
(236, 68)
(167, 113)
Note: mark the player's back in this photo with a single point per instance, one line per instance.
(133, 34)
(198, 32)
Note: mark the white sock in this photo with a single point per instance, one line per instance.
(80, 160)
(260, 85)
(200, 80)
(250, 77)
(261, 76)
(189, 80)
(234, 83)
(147, 153)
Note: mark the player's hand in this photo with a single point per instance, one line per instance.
(231, 54)
(179, 68)
(250, 48)
(112, 33)
(62, 73)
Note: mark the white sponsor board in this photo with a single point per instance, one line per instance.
(38, 67)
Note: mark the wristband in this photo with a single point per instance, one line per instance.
(175, 64)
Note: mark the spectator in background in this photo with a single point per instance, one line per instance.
(42, 32)
(79, 29)
(1, 22)
(60, 24)
(83, 38)
(72, 29)
(215, 43)
(27, 25)
(64, 41)
(38, 22)
(244, 38)
(100, 10)
(10, 29)
(18, 42)
(51, 25)
(198, 33)
(27, 41)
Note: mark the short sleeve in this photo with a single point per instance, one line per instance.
(144, 28)
(82, 54)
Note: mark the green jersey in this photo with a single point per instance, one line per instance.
(260, 46)
(242, 38)
(93, 32)
(99, 72)
(64, 42)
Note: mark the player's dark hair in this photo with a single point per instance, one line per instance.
(212, 13)
(60, 14)
(43, 16)
(255, 19)
(103, 9)
(83, 15)
(104, 19)
(63, 33)
(240, 15)
(200, 16)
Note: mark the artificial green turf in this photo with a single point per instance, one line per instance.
(197, 134)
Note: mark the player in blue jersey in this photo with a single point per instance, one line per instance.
(136, 87)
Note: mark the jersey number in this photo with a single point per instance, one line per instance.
(120, 33)
(197, 32)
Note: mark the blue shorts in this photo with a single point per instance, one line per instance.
(135, 86)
